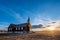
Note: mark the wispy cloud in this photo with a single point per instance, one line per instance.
(18, 17)
(12, 13)
(42, 20)
(15, 15)
(38, 19)
(4, 25)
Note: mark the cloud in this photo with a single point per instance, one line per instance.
(42, 20)
(38, 19)
(4, 25)
(12, 13)
(17, 16)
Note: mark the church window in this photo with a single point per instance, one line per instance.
(16, 28)
(22, 28)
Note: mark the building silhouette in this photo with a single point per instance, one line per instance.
(24, 27)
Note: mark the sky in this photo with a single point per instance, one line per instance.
(39, 11)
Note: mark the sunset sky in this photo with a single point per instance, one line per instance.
(39, 11)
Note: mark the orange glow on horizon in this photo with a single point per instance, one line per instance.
(51, 28)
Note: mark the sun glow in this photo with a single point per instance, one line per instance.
(51, 28)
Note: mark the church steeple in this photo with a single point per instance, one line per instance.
(28, 20)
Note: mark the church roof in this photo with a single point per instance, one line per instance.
(23, 25)
(20, 25)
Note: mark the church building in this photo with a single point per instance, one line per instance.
(20, 27)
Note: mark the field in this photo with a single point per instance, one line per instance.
(37, 35)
